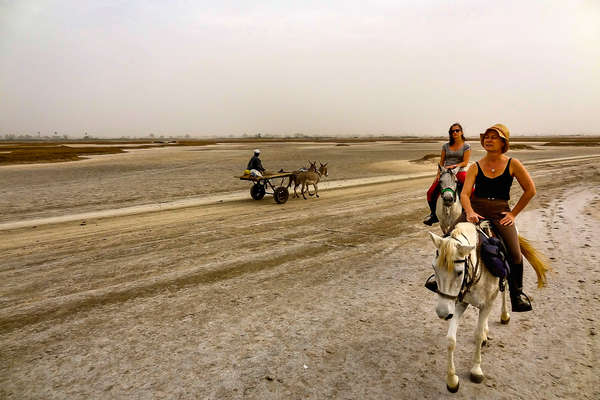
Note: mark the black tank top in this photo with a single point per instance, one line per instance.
(494, 188)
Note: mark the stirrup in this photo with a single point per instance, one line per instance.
(431, 284)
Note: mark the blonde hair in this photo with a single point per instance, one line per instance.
(448, 248)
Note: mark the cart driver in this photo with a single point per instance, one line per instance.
(255, 162)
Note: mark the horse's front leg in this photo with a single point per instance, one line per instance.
(452, 382)
(439, 213)
(504, 316)
(316, 190)
(486, 331)
(480, 334)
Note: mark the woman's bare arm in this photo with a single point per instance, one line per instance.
(524, 179)
(465, 196)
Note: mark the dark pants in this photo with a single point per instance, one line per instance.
(492, 209)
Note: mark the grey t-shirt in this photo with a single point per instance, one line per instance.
(455, 157)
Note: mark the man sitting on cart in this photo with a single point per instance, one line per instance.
(255, 162)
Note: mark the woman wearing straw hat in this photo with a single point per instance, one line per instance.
(492, 178)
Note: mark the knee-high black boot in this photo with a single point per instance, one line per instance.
(432, 218)
(519, 300)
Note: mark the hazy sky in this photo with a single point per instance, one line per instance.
(129, 67)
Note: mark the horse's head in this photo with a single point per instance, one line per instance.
(450, 267)
(313, 166)
(448, 185)
(323, 169)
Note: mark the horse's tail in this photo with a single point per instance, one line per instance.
(536, 259)
(291, 179)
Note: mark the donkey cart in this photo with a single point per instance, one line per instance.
(262, 185)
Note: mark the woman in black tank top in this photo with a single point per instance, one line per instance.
(492, 178)
(494, 188)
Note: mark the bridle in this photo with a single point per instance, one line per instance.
(471, 274)
(449, 189)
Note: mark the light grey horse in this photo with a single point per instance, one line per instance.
(448, 207)
(463, 279)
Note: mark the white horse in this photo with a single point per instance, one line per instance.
(448, 207)
(463, 279)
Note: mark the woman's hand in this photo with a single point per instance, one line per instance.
(473, 217)
(508, 219)
(451, 166)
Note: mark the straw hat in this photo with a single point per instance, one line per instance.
(502, 131)
(256, 151)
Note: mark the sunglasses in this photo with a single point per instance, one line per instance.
(455, 130)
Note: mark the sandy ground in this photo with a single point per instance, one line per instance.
(316, 299)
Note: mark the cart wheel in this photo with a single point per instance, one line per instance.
(257, 191)
(281, 194)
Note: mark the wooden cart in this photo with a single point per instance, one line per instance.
(269, 183)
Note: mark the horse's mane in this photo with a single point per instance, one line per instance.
(448, 248)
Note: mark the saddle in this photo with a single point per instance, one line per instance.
(493, 252)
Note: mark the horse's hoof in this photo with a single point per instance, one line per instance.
(453, 390)
(476, 378)
(484, 343)
(505, 321)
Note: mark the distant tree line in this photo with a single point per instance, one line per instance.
(38, 137)
(59, 137)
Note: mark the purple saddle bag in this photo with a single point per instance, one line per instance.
(493, 255)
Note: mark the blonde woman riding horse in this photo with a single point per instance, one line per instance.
(492, 178)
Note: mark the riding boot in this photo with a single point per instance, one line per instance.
(432, 218)
(519, 300)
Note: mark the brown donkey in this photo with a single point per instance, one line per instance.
(310, 178)
(294, 177)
